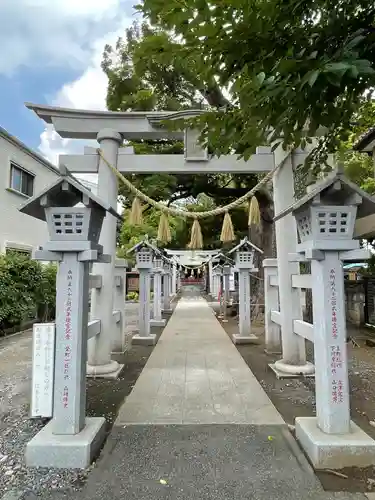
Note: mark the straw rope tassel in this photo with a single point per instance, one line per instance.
(254, 212)
(196, 239)
(164, 231)
(135, 217)
(227, 231)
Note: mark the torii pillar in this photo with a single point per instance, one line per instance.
(293, 362)
(99, 362)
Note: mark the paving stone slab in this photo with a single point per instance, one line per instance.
(196, 375)
(205, 462)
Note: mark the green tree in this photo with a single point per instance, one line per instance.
(130, 235)
(27, 290)
(145, 72)
(358, 166)
(287, 65)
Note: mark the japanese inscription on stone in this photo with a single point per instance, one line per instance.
(43, 370)
(67, 340)
(336, 364)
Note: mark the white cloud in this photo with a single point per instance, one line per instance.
(42, 33)
(88, 91)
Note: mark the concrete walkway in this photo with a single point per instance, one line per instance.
(195, 375)
(198, 426)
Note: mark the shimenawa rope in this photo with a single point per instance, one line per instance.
(186, 213)
(196, 241)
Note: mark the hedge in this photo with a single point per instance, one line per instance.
(27, 290)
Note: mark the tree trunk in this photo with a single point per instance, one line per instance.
(263, 237)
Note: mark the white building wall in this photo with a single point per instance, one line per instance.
(18, 230)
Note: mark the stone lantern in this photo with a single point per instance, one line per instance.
(157, 319)
(244, 258)
(216, 280)
(227, 265)
(145, 253)
(174, 284)
(327, 217)
(167, 286)
(144, 258)
(74, 219)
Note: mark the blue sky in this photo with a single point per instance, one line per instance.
(51, 53)
(34, 86)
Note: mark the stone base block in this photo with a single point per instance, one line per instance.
(66, 451)
(244, 339)
(144, 339)
(335, 451)
(167, 311)
(280, 374)
(119, 348)
(110, 371)
(272, 351)
(157, 322)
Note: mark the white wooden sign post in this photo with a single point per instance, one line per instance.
(42, 380)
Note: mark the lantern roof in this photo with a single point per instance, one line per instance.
(145, 243)
(66, 191)
(223, 259)
(366, 142)
(339, 190)
(166, 259)
(245, 244)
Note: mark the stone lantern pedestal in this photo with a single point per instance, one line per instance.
(227, 271)
(216, 277)
(157, 320)
(70, 439)
(144, 256)
(326, 219)
(167, 289)
(244, 258)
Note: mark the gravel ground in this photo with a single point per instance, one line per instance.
(16, 428)
(296, 397)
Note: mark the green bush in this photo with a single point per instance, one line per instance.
(27, 290)
(133, 296)
(46, 299)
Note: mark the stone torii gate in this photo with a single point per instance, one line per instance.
(110, 129)
(196, 258)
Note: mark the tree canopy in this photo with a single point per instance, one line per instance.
(264, 71)
(287, 65)
(141, 79)
(359, 167)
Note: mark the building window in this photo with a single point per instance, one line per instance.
(21, 181)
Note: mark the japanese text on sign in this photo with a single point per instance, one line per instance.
(42, 369)
(68, 307)
(67, 348)
(336, 361)
(332, 282)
